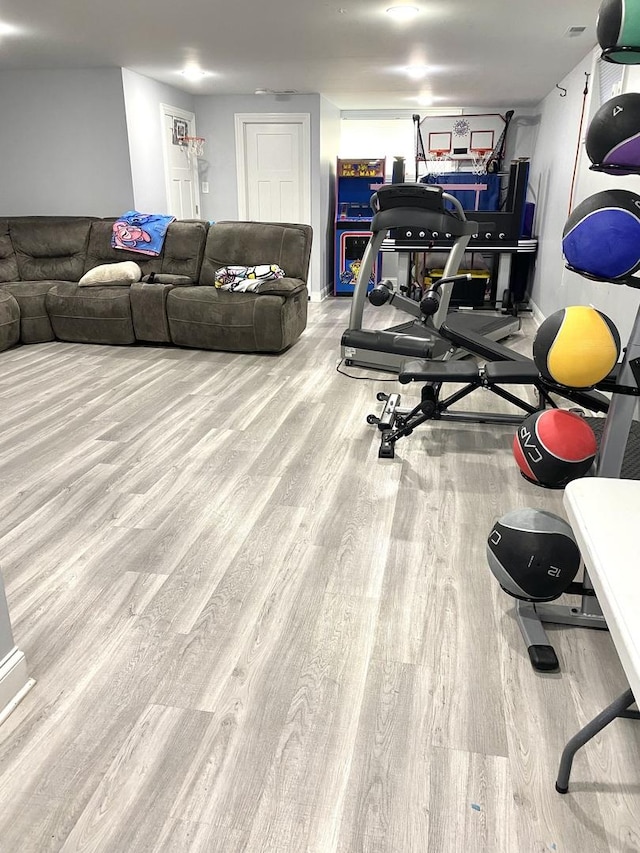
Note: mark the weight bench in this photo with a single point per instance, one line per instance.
(395, 423)
(504, 367)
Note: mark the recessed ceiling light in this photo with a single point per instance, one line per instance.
(417, 72)
(7, 29)
(193, 73)
(425, 100)
(402, 13)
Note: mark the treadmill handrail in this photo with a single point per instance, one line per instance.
(454, 222)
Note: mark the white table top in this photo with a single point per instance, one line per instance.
(605, 517)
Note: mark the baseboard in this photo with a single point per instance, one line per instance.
(536, 313)
(320, 297)
(14, 682)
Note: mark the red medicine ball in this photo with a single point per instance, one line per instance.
(553, 447)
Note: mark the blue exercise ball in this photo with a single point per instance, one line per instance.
(601, 238)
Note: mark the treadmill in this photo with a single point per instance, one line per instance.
(420, 207)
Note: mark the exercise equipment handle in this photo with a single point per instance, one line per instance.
(430, 302)
(381, 293)
(461, 277)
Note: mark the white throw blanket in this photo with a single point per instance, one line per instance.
(241, 279)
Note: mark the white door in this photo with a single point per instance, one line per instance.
(273, 167)
(181, 168)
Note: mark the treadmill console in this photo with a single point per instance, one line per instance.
(420, 196)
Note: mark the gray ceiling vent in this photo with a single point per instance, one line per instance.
(276, 92)
(572, 32)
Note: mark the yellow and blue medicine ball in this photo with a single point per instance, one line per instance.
(601, 238)
(576, 347)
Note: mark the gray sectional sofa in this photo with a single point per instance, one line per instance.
(42, 259)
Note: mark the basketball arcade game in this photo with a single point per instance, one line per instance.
(356, 180)
(464, 155)
(473, 141)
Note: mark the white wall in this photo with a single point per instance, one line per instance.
(6, 635)
(375, 138)
(215, 118)
(552, 168)
(329, 142)
(64, 144)
(142, 99)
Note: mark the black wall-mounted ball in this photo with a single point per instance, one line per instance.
(618, 31)
(533, 554)
(601, 238)
(613, 138)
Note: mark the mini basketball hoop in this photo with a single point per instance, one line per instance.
(194, 145)
(480, 160)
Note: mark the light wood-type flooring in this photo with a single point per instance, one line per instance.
(251, 634)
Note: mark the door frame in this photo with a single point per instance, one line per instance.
(178, 112)
(244, 119)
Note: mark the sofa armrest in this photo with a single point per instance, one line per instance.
(281, 287)
(167, 278)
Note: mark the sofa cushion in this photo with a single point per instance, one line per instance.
(183, 248)
(9, 321)
(35, 327)
(124, 273)
(8, 263)
(50, 247)
(90, 315)
(209, 318)
(281, 287)
(99, 250)
(251, 243)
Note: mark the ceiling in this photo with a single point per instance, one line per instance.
(479, 52)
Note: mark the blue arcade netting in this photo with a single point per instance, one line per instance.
(485, 197)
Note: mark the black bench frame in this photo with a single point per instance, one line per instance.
(395, 423)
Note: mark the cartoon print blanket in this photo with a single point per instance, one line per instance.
(241, 279)
(140, 232)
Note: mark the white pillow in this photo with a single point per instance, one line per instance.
(124, 273)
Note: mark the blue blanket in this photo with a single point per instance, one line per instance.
(140, 232)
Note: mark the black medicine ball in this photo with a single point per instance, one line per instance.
(533, 554)
(601, 238)
(618, 31)
(613, 138)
